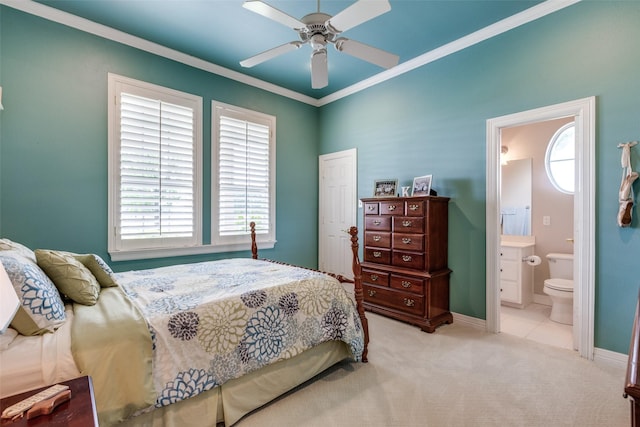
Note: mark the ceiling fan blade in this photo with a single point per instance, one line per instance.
(271, 12)
(319, 69)
(271, 53)
(359, 12)
(368, 53)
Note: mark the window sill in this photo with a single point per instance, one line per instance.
(191, 250)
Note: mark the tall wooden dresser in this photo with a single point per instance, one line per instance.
(404, 268)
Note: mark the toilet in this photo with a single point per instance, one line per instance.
(560, 287)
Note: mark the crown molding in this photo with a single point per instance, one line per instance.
(507, 24)
(82, 24)
(469, 40)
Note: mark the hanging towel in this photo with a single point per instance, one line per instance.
(515, 221)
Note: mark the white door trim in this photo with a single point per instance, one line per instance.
(584, 111)
(351, 215)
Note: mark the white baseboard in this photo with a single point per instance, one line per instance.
(600, 355)
(609, 357)
(474, 322)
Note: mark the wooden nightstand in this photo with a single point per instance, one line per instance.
(80, 411)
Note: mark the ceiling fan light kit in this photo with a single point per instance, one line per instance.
(317, 29)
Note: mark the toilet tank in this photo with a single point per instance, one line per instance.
(560, 266)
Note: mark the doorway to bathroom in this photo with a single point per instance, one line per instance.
(537, 219)
(582, 113)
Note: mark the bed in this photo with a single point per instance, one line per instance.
(192, 344)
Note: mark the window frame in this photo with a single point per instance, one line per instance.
(547, 158)
(241, 242)
(123, 249)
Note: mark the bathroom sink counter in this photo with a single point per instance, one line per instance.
(517, 241)
(511, 244)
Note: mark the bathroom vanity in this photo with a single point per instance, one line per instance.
(516, 276)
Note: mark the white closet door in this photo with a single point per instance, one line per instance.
(338, 211)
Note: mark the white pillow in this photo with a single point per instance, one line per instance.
(7, 338)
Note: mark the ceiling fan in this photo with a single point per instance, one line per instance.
(319, 29)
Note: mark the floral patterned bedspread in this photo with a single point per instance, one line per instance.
(215, 321)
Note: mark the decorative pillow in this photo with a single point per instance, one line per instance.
(41, 309)
(69, 275)
(8, 245)
(98, 268)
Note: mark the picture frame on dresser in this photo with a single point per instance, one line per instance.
(421, 185)
(385, 188)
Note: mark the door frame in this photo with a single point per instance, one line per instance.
(584, 112)
(352, 154)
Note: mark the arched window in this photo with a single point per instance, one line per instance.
(560, 159)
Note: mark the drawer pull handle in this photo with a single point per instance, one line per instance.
(374, 277)
(377, 238)
(377, 222)
(406, 240)
(372, 293)
(413, 207)
(392, 207)
(377, 254)
(406, 258)
(406, 223)
(406, 284)
(409, 302)
(370, 207)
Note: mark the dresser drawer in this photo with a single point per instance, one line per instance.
(392, 208)
(414, 208)
(409, 284)
(404, 301)
(377, 239)
(371, 209)
(377, 255)
(408, 224)
(378, 223)
(375, 277)
(413, 260)
(408, 242)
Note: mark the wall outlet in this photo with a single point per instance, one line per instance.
(546, 220)
(360, 203)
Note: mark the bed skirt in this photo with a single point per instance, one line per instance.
(238, 397)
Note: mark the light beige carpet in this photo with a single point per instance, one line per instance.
(458, 376)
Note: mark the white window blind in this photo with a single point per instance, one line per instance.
(243, 179)
(244, 176)
(155, 146)
(156, 169)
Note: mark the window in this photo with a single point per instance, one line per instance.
(155, 146)
(560, 159)
(243, 170)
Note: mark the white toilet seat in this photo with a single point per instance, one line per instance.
(560, 285)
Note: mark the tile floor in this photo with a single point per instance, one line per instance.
(533, 323)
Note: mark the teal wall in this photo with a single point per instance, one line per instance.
(53, 177)
(53, 170)
(433, 121)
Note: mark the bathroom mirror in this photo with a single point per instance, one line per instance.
(515, 197)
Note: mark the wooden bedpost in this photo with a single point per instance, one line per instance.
(357, 289)
(254, 246)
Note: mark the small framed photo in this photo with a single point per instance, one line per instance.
(385, 187)
(421, 186)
